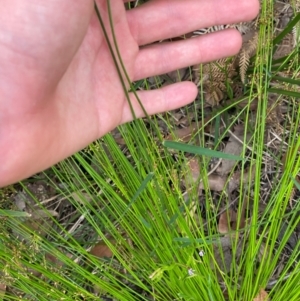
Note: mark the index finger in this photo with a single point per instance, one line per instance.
(158, 20)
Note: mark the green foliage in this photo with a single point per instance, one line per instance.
(129, 197)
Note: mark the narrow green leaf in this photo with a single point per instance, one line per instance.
(142, 187)
(188, 241)
(138, 192)
(181, 209)
(287, 80)
(145, 223)
(217, 129)
(297, 184)
(285, 92)
(193, 149)
(12, 213)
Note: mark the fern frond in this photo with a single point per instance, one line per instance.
(252, 44)
(247, 51)
(243, 63)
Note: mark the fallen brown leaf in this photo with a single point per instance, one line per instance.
(226, 220)
(81, 197)
(184, 134)
(262, 296)
(38, 221)
(2, 290)
(192, 172)
(222, 258)
(215, 183)
(102, 250)
(231, 221)
(54, 260)
(192, 176)
(245, 103)
(223, 255)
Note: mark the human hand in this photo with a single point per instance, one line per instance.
(59, 89)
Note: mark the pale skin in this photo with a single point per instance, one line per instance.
(59, 89)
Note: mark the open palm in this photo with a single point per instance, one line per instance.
(59, 88)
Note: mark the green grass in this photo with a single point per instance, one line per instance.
(165, 242)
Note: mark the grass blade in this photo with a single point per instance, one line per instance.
(193, 149)
(284, 92)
